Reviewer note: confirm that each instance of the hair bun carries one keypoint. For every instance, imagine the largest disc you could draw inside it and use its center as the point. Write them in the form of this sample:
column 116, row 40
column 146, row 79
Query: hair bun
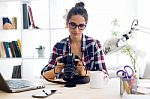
column 80, row 4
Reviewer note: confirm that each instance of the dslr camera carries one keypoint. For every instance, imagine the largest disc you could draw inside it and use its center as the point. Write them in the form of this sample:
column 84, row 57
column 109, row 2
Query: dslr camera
column 70, row 63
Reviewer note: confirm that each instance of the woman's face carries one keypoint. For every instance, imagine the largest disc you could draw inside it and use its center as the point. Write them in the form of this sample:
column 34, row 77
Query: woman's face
column 76, row 25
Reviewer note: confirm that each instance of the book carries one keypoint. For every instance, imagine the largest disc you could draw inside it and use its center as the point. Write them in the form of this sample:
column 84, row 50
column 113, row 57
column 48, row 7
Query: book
column 0, row 52
column 25, row 16
column 12, row 49
column 31, row 17
column 16, row 49
column 14, row 22
column 5, row 44
column 19, row 43
column 3, row 55
column 31, row 20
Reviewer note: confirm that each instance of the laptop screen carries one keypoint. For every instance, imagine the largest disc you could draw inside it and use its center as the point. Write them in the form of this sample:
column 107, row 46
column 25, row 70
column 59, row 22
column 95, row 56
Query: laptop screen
column 18, row 85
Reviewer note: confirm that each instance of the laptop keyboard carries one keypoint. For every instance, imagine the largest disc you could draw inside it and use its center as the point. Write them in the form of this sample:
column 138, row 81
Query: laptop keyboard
column 16, row 84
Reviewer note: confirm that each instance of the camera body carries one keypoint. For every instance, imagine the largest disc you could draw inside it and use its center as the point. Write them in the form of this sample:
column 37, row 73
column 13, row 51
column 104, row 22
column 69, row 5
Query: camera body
column 70, row 63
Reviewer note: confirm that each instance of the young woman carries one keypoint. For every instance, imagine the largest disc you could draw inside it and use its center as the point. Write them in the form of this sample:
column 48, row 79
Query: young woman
column 88, row 49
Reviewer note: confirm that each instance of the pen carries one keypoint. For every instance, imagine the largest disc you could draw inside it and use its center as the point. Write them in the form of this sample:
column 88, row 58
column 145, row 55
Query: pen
column 126, row 86
column 49, row 93
column 45, row 92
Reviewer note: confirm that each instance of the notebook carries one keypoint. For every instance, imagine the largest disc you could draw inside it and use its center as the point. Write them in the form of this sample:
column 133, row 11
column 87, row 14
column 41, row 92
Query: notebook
column 18, row 85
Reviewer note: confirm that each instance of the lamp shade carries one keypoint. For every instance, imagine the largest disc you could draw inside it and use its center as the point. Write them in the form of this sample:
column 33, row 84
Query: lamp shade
column 112, row 45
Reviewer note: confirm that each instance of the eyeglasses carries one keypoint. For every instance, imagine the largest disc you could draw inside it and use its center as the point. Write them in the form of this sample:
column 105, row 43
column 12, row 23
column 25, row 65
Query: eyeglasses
column 73, row 25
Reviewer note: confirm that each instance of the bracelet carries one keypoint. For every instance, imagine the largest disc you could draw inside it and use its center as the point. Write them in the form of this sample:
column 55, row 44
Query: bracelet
column 54, row 68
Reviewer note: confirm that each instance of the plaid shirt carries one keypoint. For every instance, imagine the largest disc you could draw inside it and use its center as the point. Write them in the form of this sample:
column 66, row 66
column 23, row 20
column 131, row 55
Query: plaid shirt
column 91, row 50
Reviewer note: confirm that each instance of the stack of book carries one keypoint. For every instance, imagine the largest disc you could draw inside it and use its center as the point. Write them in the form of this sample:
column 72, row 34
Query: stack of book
column 10, row 49
column 9, row 23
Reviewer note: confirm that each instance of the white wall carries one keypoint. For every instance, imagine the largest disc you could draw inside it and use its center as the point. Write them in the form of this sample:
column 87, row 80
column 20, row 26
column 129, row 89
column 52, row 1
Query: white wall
column 143, row 38
column 6, row 66
column 32, row 67
column 102, row 12
column 7, row 9
column 143, row 17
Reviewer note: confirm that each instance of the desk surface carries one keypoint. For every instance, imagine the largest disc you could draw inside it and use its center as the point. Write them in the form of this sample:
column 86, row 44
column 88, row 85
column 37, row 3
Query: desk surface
column 111, row 91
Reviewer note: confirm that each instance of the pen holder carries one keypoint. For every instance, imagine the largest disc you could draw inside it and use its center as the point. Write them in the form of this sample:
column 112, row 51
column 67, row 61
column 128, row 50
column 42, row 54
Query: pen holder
column 128, row 85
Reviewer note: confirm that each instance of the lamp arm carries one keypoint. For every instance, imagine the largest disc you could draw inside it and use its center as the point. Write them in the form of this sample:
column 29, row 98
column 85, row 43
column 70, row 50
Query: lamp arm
column 141, row 29
column 136, row 27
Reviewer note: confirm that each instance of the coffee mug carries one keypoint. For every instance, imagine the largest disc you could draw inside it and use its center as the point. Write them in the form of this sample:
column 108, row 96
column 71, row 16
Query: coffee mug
column 98, row 79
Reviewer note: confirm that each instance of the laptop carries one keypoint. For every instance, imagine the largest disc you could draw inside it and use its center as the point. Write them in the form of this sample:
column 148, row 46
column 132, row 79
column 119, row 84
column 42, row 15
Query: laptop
column 18, row 85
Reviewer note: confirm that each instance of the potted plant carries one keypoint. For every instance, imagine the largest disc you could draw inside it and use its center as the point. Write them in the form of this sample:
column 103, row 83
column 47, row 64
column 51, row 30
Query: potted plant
column 128, row 50
column 41, row 51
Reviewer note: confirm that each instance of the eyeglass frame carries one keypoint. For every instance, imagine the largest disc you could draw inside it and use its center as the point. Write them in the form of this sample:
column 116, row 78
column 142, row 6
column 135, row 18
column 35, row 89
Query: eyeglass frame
column 75, row 26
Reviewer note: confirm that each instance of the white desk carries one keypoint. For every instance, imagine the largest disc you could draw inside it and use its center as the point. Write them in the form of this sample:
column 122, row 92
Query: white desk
column 111, row 91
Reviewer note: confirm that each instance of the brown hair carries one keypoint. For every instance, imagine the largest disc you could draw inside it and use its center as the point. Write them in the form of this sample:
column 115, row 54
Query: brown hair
column 78, row 10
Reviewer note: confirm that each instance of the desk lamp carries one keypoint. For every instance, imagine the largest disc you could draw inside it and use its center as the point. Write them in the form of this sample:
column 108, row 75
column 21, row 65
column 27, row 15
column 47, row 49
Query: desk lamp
column 115, row 44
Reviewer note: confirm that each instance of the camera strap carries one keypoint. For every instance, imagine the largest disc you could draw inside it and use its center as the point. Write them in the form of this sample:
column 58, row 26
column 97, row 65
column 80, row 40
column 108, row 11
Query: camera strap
column 82, row 51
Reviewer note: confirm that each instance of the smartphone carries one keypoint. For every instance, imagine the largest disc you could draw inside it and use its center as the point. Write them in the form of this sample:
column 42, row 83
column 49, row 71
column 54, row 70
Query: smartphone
column 44, row 93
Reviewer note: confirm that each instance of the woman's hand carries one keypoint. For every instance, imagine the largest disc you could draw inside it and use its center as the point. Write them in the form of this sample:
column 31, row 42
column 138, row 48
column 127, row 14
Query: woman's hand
column 51, row 74
column 105, row 74
column 59, row 66
column 81, row 68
